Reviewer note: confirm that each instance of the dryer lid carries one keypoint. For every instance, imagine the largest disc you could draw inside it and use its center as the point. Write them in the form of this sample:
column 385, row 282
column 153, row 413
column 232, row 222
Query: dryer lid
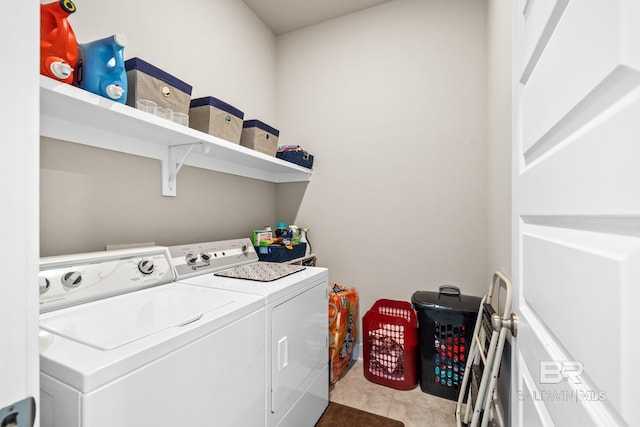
column 113, row 322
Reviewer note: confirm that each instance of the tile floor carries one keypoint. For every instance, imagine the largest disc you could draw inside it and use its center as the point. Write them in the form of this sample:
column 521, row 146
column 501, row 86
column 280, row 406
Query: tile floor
column 413, row 407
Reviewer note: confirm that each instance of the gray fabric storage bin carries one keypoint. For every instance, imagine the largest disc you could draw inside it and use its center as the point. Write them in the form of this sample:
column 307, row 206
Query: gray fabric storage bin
column 217, row 118
column 147, row 81
column 260, row 136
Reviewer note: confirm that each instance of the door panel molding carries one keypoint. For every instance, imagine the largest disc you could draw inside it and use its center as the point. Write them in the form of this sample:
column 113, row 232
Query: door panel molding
column 532, row 411
column 625, row 225
column 540, row 21
column 614, row 87
column 586, row 47
column 563, row 402
column 554, row 189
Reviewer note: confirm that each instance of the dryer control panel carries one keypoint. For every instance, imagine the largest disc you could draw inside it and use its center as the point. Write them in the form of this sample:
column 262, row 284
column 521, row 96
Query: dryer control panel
column 208, row 257
column 73, row 279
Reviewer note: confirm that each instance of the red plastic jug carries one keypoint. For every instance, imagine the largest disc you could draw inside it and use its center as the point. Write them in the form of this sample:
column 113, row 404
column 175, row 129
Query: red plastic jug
column 58, row 44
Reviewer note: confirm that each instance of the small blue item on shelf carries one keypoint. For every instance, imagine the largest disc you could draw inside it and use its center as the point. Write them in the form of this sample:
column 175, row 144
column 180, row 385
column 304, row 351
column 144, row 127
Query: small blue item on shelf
column 102, row 68
column 276, row 253
column 295, row 154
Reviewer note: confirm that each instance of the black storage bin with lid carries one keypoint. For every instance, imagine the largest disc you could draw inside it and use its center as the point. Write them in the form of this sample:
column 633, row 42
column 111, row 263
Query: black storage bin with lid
column 445, row 328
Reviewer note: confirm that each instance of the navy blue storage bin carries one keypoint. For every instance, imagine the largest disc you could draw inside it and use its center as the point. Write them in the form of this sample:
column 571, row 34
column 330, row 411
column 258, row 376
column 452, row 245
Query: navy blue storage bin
column 301, row 158
column 275, row 253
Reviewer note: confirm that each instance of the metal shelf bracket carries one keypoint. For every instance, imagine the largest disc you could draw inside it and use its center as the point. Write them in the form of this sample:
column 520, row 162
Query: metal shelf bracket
column 171, row 168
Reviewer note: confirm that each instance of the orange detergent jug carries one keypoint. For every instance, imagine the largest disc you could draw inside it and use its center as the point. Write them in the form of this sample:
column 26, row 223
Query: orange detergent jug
column 58, row 45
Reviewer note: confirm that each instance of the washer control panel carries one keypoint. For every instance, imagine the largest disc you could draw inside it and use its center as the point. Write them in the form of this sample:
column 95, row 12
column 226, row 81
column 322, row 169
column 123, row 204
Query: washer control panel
column 73, row 279
column 199, row 258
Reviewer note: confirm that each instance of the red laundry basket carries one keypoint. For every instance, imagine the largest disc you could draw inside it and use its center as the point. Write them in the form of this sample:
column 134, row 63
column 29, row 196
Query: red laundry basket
column 390, row 340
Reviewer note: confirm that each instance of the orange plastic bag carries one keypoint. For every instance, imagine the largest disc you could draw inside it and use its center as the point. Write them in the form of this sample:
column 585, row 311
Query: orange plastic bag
column 343, row 321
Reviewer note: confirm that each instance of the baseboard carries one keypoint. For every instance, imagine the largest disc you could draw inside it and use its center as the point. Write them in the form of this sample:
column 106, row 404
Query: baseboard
column 357, row 352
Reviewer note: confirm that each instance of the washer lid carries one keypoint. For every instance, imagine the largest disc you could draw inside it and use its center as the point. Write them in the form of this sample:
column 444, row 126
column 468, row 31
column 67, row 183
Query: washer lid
column 116, row 321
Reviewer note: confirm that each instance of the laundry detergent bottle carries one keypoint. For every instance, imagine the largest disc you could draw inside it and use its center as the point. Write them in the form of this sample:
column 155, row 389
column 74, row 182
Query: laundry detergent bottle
column 58, row 44
column 102, row 67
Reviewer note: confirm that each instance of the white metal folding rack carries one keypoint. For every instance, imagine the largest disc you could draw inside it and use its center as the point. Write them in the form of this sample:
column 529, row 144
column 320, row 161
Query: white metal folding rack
column 485, row 354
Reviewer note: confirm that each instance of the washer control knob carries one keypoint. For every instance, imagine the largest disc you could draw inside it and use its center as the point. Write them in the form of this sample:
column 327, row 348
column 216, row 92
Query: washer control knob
column 191, row 259
column 146, row 266
column 245, row 250
column 206, row 257
column 71, row 279
column 44, row 284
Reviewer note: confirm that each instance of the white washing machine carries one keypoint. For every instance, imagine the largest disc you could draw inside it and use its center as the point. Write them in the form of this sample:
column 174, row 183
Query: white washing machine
column 295, row 324
column 123, row 346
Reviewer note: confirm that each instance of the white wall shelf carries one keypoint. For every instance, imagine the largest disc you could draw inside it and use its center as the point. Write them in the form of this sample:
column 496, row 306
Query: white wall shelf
column 72, row 114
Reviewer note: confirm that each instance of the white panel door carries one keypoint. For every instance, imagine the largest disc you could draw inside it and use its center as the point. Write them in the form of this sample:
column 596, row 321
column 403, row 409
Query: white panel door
column 576, row 205
column 19, row 134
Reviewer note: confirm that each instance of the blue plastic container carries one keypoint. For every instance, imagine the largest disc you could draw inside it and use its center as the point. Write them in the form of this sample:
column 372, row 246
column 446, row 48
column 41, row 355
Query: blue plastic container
column 301, row 158
column 102, row 67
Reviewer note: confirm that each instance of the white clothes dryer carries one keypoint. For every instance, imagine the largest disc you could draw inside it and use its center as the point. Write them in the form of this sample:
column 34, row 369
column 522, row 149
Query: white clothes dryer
column 123, row 346
column 295, row 323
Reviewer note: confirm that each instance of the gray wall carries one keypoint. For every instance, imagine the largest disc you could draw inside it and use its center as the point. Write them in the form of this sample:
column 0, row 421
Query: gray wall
column 499, row 137
column 499, row 162
column 393, row 102
column 92, row 197
column 403, row 104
